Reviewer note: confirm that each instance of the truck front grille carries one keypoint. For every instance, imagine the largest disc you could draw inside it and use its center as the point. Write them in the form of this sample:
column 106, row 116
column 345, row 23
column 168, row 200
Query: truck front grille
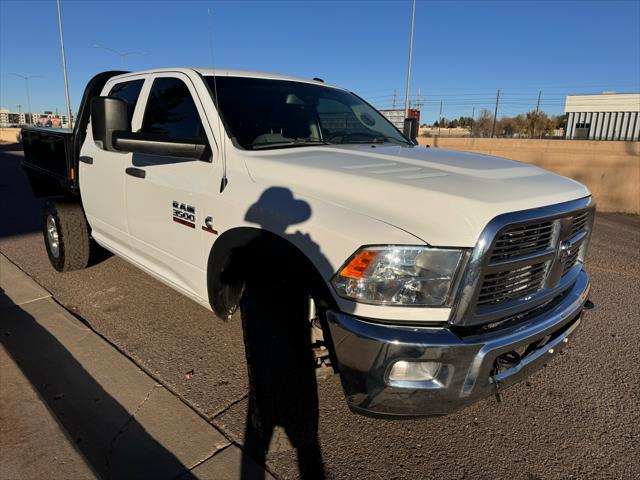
column 522, row 240
column 524, row 258
column 579, row 222
column 572, row 259
column 511, row 284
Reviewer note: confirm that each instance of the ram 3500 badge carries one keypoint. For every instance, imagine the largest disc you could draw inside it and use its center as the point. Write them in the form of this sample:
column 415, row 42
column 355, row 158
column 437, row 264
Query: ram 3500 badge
column 184, row 214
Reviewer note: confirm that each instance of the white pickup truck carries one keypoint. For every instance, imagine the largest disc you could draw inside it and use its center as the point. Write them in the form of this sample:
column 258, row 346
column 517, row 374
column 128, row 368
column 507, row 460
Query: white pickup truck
column 436, row 277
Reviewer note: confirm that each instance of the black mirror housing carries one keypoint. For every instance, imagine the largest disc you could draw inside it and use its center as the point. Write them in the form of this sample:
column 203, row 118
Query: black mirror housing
column 108, row 115
column 411, row 129
column 153, row 144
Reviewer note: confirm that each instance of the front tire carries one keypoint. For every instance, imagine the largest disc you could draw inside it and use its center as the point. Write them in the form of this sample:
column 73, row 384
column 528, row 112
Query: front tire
column 282, row 379
column 66, row 235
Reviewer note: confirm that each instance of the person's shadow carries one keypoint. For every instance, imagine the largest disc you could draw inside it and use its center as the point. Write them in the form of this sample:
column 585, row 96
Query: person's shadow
column 275, row 307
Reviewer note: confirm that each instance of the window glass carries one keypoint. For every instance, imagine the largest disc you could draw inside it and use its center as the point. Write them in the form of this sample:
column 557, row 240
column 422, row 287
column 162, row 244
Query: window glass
column 129, row 92
column 264, row 113
column 171, row 111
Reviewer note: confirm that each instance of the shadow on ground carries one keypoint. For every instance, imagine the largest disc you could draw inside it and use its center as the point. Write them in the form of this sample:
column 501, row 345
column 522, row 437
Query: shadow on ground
column 94, row 420
column 283, row 404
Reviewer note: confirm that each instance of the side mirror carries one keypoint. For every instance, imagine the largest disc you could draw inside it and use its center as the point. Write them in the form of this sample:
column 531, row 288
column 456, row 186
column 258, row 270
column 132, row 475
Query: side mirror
column 108, row 115
column 159, row 145
column 411, row 129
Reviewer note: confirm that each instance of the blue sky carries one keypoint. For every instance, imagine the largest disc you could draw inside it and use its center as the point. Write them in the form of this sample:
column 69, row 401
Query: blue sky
column 463, row 50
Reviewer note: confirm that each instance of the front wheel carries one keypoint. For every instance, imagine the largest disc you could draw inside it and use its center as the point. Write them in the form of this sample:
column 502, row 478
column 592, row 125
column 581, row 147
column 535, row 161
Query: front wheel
column 66, row 235
column 282, row 378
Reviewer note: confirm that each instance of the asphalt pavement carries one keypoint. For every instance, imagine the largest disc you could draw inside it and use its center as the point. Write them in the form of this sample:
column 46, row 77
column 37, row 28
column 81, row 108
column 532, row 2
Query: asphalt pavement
column 576, row 418
column 72, row 406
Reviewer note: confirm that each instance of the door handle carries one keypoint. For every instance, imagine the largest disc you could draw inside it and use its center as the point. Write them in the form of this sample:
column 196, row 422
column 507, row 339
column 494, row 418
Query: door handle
column 88, row 160
column 135, row 172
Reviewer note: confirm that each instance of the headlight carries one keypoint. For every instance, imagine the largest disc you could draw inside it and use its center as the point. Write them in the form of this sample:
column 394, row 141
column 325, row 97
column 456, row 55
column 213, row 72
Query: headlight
column 400, row 275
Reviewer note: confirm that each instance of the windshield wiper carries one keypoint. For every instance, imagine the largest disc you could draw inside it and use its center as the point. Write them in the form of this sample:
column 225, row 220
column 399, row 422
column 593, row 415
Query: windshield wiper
column 381, row 139
column 292, row 143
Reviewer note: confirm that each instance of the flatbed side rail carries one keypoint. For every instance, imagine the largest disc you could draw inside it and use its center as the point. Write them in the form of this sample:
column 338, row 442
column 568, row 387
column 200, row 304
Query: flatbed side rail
column 48, row 161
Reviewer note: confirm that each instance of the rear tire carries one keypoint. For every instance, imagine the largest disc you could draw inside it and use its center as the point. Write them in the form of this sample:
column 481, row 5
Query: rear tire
column 66, row 235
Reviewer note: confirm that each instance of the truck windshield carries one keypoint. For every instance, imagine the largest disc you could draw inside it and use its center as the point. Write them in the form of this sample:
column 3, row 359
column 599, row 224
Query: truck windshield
column 262, row 113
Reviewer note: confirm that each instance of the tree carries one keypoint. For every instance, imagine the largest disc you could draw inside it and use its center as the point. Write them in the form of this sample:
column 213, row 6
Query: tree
column 482, row 126
column 506, row 127
column 465, row 122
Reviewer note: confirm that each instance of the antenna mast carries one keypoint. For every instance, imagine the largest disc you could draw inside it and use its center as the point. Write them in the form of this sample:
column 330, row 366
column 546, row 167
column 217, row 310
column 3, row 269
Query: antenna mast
column 224, row 180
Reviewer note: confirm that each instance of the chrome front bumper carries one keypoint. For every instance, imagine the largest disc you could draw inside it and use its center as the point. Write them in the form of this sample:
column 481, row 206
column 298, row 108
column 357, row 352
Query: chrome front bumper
column 366, row 352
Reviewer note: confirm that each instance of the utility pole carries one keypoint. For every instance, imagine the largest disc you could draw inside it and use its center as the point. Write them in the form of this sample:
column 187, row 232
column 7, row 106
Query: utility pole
column 440, row 121
column 535, row 119
column 473, row 114
column 495, row 114
column 406, row 100
column 419, row 104
column 64, row 68
column 393, row 103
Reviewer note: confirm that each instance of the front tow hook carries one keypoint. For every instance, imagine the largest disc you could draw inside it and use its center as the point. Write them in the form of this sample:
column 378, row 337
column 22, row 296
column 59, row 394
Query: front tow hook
column 503, row 362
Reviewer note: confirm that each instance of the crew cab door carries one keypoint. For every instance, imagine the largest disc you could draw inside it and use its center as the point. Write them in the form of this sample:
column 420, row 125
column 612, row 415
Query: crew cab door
column 166, row 196
column 102, row 184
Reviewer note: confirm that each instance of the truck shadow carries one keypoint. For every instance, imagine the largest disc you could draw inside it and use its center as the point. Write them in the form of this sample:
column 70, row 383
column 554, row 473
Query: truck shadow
column 10, row 147
column 283, row 405
column 21, row 211
column 109, row 437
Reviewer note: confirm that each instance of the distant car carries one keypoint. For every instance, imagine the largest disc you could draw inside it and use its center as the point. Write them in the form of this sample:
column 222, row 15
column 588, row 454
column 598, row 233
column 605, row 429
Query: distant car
column 435, row 277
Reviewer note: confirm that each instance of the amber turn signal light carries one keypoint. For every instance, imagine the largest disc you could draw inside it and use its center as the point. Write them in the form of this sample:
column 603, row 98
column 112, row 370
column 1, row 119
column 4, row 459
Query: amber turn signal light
column 358, row 265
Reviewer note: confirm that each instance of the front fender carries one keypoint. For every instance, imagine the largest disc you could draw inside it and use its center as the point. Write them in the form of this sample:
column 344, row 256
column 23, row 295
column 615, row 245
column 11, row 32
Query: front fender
column 245, row 252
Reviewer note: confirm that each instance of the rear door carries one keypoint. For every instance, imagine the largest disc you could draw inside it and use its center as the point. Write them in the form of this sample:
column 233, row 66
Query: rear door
column 101, row 175
column 165, row 208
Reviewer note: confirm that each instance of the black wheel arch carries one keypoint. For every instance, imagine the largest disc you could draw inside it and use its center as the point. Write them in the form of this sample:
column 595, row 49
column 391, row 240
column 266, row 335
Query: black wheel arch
column 245, row 252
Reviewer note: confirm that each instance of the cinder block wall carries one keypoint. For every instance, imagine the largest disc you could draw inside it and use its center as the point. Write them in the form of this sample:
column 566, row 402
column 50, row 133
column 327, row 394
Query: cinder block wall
column 611, row 170
column 9, row 135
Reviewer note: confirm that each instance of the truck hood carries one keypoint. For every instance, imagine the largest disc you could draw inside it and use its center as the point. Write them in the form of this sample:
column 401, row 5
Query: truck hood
column 443, row 197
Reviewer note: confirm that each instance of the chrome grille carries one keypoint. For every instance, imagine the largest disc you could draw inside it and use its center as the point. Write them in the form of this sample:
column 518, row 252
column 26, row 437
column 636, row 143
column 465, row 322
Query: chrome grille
column 572, row 258
column 523, row 260
column 579, row 222
column 525, row 256
column 511, row 284
column 522, row 240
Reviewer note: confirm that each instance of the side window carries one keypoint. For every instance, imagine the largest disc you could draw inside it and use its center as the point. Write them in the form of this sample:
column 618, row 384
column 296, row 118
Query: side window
column 129, row 92
column 171, row 111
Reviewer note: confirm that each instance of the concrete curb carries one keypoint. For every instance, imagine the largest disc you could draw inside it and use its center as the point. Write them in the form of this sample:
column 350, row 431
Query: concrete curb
column 123, row 423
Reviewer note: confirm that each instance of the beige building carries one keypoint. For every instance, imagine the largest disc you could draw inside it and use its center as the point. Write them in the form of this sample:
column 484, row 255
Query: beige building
column 10, row 119
column 609, row 116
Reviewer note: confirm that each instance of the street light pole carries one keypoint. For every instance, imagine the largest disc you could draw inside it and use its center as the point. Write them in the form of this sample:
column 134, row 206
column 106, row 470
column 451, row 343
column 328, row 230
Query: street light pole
column 64, row 68
column 122, row 55
column 26, row 79
column 406, row 101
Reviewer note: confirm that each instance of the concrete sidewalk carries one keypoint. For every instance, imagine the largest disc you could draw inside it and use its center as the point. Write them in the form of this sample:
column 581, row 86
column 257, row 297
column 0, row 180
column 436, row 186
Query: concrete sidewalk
column 72, row 406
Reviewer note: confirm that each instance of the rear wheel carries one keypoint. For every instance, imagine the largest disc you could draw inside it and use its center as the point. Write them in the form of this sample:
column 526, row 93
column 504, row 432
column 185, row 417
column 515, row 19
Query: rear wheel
column 66, row 235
